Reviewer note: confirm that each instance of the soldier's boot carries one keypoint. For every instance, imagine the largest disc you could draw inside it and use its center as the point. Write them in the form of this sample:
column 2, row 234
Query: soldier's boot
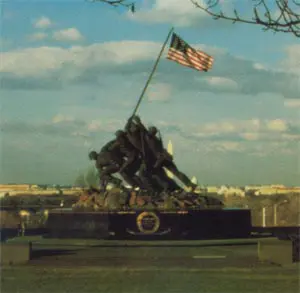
column 186, row 181
column 192, row 187
column 116, row 181
column 163, row 184
column 105, row 179
column 139, row 182
column 182, row 177
column 102, row 185
column 127, row 194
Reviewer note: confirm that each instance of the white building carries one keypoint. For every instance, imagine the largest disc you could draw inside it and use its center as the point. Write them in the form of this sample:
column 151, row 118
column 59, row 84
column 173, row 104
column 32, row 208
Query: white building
column 212, row 189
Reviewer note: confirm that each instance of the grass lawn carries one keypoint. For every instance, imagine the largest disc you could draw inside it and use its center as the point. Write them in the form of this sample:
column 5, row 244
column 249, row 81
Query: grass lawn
column 81, row 279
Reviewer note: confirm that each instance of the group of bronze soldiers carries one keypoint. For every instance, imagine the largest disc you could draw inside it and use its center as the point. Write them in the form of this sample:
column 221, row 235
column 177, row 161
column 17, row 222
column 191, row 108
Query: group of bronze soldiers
column 138, row 155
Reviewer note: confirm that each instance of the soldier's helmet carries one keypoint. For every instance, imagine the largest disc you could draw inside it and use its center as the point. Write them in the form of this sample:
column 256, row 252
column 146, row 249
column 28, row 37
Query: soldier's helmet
column 152, row 130
column 119, row 133
column 93, row 155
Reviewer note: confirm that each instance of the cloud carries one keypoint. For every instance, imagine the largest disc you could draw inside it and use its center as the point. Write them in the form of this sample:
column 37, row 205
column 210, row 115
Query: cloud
column 229, row 146
column 222, row 83
column 163, row 11
column 37, row 129
column 94, row 125
column 259, row 66
column 254, row 137
column 43, row 22
column 250, row 135
column 236, row 130
column 109, row 126
column 41, row 60
column 291, row 65
column 244, row 77
column 292, row 103
column 181, row 13
column 61, row 133
column 277, row 125
column 61, row 118
column 4, row 43
column 292, row 61
column 55, row 67
column 159, row 92
column 37, row 36
column 70, row 34
column 58, row 141
column 8, row 15
column 62, row 125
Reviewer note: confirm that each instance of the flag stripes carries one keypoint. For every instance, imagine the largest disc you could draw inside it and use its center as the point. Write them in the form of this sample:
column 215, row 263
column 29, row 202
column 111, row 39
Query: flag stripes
column 185, row 55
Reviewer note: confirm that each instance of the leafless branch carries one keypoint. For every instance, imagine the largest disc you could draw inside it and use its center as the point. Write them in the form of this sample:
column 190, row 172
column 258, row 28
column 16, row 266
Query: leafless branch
column 116, row 3
column 286, row 19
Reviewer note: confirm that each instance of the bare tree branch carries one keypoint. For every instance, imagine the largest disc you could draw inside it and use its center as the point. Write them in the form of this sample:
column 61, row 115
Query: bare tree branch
column 286, row 19
column 116, row 3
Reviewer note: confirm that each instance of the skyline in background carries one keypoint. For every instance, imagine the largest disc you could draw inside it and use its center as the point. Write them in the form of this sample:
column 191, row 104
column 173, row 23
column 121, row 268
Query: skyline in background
column 72, row 71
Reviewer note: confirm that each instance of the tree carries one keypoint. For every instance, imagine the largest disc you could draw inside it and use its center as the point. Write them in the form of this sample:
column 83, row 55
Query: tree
column 80, row 181
column 92, row 177
column 116, row 3
column 286, row 18
column 89, row 178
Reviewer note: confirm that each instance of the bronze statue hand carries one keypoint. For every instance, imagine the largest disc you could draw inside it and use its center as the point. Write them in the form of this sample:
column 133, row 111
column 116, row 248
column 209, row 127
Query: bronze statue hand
column 156, row 165
column 137, row 118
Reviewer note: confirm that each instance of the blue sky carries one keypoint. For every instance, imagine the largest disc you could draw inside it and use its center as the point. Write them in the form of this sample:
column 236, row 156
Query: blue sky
column 72, row 71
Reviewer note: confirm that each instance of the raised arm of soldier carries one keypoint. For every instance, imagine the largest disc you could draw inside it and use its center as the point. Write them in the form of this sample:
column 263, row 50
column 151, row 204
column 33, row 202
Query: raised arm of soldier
column 128, row 124
column 161, row 157
column 126, row 148
column 114, row 146
column 111, row 145
column 156, row 145
column 138, row 121
column 133, row 133
column 129, row 160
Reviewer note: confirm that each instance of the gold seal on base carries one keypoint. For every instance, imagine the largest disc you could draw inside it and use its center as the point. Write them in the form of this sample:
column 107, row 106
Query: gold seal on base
column 148, row 222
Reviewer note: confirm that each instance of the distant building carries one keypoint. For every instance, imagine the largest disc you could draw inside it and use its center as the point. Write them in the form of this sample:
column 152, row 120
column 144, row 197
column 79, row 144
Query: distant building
column 15, row 186
column 232, row 191
column 272, row 190
column 252, row 187
column 212, row 189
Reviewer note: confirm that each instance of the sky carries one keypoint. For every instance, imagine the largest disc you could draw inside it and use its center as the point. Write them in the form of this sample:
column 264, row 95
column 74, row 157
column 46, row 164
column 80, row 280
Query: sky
column 72, row 72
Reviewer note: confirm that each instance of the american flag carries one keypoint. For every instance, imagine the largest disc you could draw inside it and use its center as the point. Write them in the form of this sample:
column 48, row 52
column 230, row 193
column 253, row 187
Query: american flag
column 182, row 53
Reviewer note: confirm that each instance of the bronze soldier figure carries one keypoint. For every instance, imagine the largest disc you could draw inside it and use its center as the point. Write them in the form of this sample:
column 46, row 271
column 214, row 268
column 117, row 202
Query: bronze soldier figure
column 151, row 182
column 138, row 150
column 106, row 164
column 135, row 135
column 132, row 157
column 118, row 156
column 155, row 177
column 168, row 183
column 163, row 158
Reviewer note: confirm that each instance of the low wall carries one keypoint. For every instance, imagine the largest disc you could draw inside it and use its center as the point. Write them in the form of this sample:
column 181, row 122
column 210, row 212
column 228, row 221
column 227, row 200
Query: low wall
column 15, row 253
column 199, row 224
column 282, row 252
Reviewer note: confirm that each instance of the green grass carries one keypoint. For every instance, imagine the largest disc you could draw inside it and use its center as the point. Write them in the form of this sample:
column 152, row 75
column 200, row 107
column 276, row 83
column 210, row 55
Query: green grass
column 120, row 280
column 147, row 275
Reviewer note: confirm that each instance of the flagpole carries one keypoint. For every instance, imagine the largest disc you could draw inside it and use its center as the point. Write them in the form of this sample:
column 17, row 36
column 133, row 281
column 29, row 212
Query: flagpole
column 152, row 72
